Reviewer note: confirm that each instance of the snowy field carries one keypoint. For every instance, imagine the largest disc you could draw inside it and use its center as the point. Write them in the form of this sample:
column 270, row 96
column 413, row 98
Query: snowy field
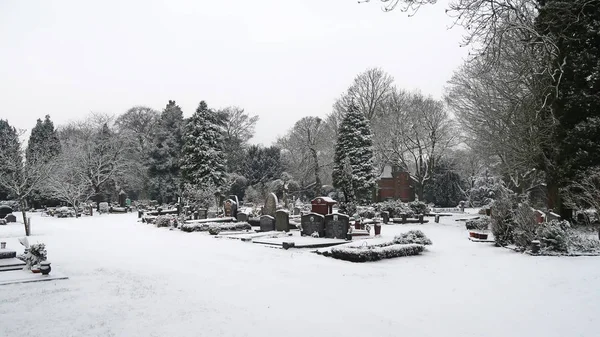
column 132, row 279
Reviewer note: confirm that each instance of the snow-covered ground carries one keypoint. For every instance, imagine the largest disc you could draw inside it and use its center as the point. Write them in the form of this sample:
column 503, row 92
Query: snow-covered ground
column 132, row 279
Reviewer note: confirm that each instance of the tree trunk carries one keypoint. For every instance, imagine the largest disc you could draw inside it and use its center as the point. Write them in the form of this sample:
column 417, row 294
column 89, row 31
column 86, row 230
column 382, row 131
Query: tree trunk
column 553, row 196
column 23, row 206
column 318, row 184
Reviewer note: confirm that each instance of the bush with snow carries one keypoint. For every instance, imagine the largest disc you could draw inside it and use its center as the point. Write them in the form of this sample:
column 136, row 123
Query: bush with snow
column 222, row 226
column 481, row 223
column 166, row 220
column 412, row 237
column 374, row 253
column 554, row 236
column 348, row 208
column 394, row 207
column 485, row 190
column 418, row 207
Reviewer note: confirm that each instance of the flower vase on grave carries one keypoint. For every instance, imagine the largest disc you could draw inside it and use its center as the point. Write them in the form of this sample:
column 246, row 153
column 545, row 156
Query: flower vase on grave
column 45, row 268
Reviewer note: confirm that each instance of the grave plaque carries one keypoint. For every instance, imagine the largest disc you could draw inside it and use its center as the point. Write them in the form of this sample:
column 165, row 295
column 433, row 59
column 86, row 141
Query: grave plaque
column 270, row 205
column 11, row 218
column 336, row 226
column 312, row 222
column 267, row 223
column 282, row 220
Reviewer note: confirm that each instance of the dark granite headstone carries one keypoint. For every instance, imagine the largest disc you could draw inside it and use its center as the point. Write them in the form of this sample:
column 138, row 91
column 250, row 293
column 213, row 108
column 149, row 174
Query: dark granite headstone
column 282, row 220
column 7, row 254
column 242, row 217
column 336, row 225
column 312, row 222
column 11, row 218
column 4, row 210
column 267, row 223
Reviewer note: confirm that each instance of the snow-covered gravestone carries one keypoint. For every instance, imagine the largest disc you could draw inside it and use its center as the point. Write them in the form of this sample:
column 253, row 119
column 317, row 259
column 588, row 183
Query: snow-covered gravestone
column 336, row 226
column 270, row 205
column 267, row 223
column 311, row 223
column 282, row 220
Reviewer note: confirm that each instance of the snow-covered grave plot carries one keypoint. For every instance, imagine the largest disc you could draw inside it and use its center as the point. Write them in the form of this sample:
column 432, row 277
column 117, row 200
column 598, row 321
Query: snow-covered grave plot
column 130, row 279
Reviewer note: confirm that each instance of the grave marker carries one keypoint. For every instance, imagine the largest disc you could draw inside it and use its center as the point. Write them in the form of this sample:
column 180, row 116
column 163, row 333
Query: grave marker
column 336, row 226
column 270, row 205
column 267, row 223
column 312, row 222
column 282, row 220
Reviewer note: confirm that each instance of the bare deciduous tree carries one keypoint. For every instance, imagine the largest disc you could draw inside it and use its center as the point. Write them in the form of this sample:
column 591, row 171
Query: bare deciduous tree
column 303, row 148
column 20, row 178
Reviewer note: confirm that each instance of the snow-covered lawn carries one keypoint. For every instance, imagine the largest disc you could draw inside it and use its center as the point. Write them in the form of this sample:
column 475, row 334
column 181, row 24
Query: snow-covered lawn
column 132, row 279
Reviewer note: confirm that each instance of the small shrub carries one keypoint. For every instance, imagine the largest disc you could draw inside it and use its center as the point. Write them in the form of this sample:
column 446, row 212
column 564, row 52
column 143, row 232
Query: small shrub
column 418, row 207
column 525, row 226
column 214, row 230
column 166, row 220
column 412, row 237
column 367, row 212
column 394, row 207
column 481, row 223
column 374, row 253
column 554, row 235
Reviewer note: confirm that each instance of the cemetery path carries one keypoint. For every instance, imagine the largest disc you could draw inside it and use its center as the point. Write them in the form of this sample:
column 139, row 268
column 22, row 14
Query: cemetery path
column 131, row 279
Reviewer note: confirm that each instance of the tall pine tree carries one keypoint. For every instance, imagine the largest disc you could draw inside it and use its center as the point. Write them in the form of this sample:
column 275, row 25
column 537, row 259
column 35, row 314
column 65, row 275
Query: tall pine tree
column 43, row 146
column 353, row 170
column 164, row 157
column 203, row 160
column 43, row 142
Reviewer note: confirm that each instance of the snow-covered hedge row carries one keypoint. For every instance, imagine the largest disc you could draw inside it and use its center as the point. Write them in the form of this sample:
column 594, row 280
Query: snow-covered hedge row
column 373, row 253
column 216, row 227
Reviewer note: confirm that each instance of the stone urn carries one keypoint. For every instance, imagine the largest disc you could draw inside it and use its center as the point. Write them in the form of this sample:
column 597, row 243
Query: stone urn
column 45, row 268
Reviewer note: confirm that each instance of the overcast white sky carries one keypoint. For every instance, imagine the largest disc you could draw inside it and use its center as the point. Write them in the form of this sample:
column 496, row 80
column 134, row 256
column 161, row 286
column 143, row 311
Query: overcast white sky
column 279, row 59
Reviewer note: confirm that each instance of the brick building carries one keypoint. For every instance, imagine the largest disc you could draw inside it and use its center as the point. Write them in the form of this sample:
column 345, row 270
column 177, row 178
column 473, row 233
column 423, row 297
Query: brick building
column 395, row 184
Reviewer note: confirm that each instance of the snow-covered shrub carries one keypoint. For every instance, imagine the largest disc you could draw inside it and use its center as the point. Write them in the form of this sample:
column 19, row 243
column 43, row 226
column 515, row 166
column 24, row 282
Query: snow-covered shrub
column 524, row 225
column 35, row 255
column 394, row 207
column 315, row 234
column 554, row 235
column 214, row 230
column 481, row 223
column 223, row 226
column 347, row 208
column 253, row 195
column 581, row 242
column 419, row 207
column 166, row 220
column 502, row 217
column 485, row 189
column 374, row 253
column 412, row 237
column 366, row 212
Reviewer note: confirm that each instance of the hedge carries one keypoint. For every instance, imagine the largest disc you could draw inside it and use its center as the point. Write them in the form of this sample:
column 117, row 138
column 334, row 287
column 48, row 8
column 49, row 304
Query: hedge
column 374, row 253
column 216, row 227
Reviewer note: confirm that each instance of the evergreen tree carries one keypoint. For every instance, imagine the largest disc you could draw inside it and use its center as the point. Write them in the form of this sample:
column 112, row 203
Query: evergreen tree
column 203, row 160
column 165, row 155
column 43, row 142
column 9, row 149
column 575, row 112
column 445, row 189
column 262, row 164
column 353, row 170
column 43, row 145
